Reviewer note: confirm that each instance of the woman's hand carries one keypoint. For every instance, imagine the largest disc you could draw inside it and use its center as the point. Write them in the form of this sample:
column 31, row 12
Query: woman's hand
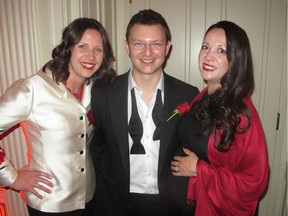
column 185, row 166
column 29, row 180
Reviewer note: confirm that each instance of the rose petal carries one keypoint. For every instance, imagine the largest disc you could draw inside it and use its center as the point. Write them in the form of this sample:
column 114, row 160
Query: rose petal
column 183, row 108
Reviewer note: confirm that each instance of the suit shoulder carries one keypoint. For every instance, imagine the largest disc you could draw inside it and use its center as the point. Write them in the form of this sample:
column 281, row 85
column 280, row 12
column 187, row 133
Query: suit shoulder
column 181, row 84
column 120, row 79
column 116, row 85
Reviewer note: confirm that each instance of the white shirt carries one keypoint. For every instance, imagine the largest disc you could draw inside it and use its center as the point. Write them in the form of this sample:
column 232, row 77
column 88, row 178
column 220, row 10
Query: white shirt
column 144, row 167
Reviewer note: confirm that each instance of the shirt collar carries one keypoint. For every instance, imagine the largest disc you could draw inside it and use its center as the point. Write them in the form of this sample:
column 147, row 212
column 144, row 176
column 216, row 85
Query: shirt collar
column 132, row 84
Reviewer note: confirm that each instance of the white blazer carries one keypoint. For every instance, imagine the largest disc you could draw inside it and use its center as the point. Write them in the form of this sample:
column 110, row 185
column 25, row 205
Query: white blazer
column 58, row 135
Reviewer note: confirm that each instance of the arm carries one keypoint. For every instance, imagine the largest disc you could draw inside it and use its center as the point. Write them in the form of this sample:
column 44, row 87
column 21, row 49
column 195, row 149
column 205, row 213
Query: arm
column 23, row 180
column 185, row 166
column 234, row 181
column 15, row 105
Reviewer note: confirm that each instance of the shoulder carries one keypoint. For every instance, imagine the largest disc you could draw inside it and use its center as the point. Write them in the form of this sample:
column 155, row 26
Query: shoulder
column 181, row 86
column 27, row 82
column 253, row 114
column 248, row 101
column 119, row 81
column 117, row 86
column 177, row 82
column 22, row 92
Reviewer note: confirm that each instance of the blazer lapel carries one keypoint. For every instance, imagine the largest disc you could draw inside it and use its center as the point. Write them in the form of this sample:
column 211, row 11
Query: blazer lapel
column 86, row 97
column 61, row 91
column 119, row 115
column 171, row 101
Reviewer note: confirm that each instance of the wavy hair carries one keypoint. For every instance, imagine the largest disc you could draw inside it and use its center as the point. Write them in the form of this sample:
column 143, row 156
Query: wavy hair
column 61, row 54
column 221, row 110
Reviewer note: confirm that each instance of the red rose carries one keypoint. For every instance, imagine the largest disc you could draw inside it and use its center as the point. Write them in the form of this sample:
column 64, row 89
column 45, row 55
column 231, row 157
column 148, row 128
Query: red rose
column 183, row 108
column 180, row 110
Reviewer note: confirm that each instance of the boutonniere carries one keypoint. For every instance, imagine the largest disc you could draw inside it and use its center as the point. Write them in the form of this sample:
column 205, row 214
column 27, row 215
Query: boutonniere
column 91, row 117
column 180, row 110
column 2, row 156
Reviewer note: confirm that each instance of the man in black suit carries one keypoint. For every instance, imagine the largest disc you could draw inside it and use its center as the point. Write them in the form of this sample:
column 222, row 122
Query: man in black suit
column 133, row 142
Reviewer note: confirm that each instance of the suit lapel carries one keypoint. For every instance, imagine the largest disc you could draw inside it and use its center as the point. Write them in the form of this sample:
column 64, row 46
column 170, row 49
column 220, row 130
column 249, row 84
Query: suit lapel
column 171, row 101
column 119, row 115
column 118, row 105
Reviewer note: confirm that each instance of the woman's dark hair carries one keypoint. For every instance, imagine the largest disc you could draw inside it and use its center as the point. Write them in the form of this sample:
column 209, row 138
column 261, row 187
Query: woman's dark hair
column 148, row 17
column 221, row 110
column 72, row 34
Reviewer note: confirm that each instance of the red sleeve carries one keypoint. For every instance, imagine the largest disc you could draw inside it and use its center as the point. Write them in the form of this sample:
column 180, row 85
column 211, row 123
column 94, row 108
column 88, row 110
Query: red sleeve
column 234, row 181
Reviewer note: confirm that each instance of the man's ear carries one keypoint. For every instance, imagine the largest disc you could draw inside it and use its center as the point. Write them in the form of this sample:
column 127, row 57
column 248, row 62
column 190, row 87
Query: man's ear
column 126, row 44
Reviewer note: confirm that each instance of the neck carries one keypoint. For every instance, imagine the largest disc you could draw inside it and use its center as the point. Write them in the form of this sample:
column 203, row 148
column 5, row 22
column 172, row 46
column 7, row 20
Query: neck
column 213, row 87
column 74, row 86
column 147, row 83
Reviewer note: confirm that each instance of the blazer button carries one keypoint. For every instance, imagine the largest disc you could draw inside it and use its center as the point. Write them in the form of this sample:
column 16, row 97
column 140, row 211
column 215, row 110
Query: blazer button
column 82, row 169
column 81, row 118
column 81, row 152
column 82, row 135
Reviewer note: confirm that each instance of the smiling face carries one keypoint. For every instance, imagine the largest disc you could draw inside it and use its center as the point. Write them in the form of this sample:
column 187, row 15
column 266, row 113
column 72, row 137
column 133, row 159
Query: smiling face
column 86, row 56
column 147, row 47
column 213, row 62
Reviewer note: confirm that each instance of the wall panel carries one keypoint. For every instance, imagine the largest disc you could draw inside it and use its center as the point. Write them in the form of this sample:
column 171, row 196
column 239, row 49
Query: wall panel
column 17, row 57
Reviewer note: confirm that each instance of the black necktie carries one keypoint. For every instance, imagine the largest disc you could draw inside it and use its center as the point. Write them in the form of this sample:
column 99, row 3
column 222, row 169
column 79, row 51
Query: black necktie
column 157, row 115
column 135, row 128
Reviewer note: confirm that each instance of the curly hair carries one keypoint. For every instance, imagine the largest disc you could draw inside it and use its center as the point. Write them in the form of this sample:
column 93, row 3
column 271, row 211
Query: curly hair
column 222, row 109
column 72, row 34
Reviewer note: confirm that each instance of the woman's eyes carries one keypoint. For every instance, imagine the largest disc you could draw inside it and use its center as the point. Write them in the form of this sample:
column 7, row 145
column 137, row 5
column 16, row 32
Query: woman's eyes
column 219, row 50
column 97, row 49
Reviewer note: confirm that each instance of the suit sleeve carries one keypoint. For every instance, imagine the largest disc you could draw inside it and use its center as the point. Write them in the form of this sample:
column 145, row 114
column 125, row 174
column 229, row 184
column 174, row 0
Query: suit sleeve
column 15, row 106
column 234, row 181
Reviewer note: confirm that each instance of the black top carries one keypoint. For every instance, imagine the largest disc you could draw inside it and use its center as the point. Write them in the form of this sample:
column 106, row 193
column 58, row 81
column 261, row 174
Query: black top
column 188, row 134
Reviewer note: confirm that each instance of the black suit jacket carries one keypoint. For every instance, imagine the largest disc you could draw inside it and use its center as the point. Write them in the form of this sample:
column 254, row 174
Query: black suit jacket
column 110, row 147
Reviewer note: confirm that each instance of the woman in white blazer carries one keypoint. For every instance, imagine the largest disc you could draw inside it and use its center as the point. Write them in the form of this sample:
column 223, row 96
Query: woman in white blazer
column 53, row 109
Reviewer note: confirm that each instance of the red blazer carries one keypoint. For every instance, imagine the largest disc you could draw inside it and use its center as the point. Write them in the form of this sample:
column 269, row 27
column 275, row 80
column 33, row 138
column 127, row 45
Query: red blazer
column 233, row 182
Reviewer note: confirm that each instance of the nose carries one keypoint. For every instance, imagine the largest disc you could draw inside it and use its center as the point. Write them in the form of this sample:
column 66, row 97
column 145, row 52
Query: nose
column 209, row 55
column 91, row 55
column 147, row 49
